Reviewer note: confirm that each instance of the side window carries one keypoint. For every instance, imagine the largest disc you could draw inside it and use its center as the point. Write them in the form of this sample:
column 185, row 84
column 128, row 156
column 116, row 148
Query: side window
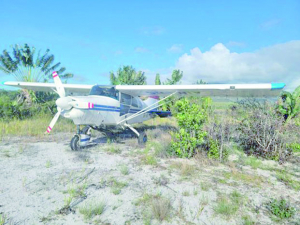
column 135, row 103
column 140, row 103
column 125, row 99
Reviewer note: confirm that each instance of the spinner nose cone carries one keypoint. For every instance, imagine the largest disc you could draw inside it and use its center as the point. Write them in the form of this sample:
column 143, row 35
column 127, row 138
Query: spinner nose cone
column 63, row 103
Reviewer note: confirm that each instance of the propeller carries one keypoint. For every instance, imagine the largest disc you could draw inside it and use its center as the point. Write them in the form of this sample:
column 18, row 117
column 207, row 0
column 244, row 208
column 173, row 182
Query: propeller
column 59, row 87
column 65, row 103
column 61, row 92
column 53, row 121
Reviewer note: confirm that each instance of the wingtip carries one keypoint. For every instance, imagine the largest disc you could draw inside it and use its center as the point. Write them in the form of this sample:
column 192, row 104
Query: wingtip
column 276, row 86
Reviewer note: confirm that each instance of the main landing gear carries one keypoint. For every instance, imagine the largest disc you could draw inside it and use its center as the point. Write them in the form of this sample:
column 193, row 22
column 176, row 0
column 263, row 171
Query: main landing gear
column 82, row 137
column 142, row 137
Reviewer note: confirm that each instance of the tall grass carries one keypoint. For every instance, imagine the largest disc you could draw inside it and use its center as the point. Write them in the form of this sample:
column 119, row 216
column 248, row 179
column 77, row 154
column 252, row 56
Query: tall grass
column 34, row 126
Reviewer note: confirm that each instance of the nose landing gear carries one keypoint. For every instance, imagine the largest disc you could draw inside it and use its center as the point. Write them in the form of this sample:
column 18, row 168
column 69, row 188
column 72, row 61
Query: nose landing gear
column 81, row 139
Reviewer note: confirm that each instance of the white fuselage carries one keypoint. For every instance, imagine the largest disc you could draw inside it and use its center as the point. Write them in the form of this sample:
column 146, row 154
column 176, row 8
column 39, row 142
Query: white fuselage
column 107, row 111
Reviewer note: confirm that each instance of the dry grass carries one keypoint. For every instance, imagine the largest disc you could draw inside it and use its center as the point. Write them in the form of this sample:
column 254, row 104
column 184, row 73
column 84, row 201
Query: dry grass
column 34, row 126
column 185, row 167
column 250, row 179
column 161, row 208
column 92, row 208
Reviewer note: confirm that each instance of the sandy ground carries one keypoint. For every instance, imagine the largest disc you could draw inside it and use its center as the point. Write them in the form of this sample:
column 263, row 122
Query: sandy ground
column 38, row 176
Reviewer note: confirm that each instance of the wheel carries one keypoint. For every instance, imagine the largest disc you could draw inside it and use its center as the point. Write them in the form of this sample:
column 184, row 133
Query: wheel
column 86, row 130
column 75, row 143
column 142, row 139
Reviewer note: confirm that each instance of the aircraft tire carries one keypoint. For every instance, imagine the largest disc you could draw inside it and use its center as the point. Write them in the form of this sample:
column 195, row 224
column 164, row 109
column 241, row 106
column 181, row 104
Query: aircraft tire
column 142, row 139
column 75, row 143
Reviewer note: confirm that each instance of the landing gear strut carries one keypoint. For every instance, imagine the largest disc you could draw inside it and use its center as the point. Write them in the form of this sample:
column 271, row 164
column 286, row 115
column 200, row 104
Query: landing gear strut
column 142, row 137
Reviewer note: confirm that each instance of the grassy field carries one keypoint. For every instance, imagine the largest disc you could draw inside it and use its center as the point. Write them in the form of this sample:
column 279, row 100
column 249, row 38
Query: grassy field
column 34, row 126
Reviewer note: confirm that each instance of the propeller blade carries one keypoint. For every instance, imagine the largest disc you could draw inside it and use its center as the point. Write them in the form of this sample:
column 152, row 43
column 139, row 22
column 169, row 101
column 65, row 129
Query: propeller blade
column 59, row 87
column 53, row 121
column 82, row 105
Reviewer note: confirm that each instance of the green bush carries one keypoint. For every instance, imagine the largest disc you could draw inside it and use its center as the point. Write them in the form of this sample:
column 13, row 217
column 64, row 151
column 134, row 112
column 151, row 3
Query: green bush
column 213, row 150
column 190, row 118
column 289, row 104
column 13, row 105
column 294, row 147
column 281, row 208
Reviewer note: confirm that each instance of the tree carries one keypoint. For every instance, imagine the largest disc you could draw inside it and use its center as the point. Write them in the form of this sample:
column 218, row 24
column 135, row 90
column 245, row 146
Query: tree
column 289, row 104
column 127, row 75
column 157, row 79
column 25, row 65
column 200, row 82
column 175, row 78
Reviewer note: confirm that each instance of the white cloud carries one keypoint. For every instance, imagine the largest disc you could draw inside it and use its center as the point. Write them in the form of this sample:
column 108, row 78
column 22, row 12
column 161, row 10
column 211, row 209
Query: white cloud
column 175, row 48
column 277, row 63
column 141, row 50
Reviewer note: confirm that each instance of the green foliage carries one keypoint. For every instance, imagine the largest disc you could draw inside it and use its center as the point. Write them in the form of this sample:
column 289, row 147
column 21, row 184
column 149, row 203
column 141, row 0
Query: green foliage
column 200, row 82
column 190, row 118
column 294, row 147
column 13, row 105
column 157, row 79
column 25, row 65
column 127, row 75
column 175, row 78
column 214, row 150
column 289, row 104
column 281, row 208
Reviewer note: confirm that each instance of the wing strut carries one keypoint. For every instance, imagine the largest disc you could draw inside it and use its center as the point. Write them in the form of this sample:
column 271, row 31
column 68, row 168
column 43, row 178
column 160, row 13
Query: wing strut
column 144, row 110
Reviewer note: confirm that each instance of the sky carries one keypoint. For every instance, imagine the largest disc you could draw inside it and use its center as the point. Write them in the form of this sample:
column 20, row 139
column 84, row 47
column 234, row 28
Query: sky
column 216, row 41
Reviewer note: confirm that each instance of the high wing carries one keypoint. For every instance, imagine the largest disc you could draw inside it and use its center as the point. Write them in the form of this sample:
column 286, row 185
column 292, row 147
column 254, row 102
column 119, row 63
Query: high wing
column 50, row 87
column 213, row 90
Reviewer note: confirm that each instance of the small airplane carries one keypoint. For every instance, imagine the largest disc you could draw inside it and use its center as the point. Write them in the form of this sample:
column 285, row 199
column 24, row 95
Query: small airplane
column 106, row 107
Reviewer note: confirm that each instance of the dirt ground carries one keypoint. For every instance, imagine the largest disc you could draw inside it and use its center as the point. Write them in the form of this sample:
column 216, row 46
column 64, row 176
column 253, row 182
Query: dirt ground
column 43, row 182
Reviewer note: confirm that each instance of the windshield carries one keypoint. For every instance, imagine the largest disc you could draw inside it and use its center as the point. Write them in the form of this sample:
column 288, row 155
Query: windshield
column 105, row 91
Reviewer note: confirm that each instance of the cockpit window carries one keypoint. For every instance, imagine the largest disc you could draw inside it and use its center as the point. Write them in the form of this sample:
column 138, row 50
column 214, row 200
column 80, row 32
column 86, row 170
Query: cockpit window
column 105, row 91
column 126, row 99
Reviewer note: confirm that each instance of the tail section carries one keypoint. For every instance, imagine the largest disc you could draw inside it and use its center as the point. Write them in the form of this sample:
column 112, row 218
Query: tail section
column 153, row 100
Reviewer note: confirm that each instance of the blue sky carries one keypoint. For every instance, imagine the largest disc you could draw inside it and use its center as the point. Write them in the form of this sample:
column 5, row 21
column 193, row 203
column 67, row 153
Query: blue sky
column 92, row 38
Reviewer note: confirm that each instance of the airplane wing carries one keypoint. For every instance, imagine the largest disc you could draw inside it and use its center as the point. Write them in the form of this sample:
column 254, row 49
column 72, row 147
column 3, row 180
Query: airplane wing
column 213, row 90
column 50, row 87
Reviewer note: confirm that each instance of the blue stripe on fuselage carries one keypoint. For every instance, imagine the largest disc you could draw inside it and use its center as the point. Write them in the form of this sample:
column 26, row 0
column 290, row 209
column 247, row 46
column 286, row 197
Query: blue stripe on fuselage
column 117, row 109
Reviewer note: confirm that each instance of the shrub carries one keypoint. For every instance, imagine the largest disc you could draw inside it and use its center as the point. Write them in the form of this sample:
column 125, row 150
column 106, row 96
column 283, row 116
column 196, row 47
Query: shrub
column 13, row 105
column 262, row 131
column 217, row 139
column 289, row 104
column 281, row 208
column 294, row 147
column 190, row 118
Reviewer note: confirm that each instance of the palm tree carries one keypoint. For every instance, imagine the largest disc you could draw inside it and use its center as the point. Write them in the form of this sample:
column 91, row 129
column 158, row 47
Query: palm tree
column 25, row 65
